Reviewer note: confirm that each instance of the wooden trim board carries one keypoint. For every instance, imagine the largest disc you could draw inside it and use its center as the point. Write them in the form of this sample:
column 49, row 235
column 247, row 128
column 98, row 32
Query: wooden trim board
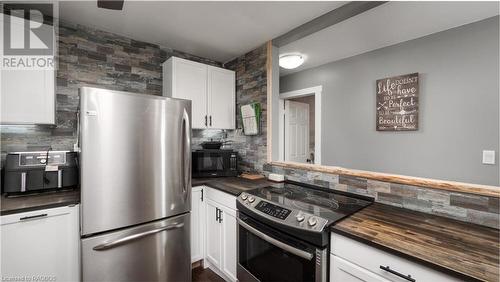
column 478, row 189
column 269, row 74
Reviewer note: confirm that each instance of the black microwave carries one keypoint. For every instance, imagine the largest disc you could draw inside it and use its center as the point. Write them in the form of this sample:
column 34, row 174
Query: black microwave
column 215, row 163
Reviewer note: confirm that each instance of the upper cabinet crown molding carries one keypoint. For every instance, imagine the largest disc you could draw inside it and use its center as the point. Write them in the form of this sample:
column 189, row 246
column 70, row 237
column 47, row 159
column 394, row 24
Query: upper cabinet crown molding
column 27, row 96
column 211, row 89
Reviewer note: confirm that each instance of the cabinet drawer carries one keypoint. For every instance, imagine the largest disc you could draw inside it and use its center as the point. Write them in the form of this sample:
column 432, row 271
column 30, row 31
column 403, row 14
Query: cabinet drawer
column 372, row 259
column 344, row 271
column 221, row 197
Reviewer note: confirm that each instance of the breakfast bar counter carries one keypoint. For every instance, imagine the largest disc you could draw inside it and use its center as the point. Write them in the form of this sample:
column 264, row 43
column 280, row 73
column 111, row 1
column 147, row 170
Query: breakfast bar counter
column 460, row 248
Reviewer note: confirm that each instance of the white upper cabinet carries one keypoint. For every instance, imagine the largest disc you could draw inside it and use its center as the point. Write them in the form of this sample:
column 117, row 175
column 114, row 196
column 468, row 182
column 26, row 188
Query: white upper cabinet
column 221, row 95
column 26, row 96
column 210, row 89
column 187, row 80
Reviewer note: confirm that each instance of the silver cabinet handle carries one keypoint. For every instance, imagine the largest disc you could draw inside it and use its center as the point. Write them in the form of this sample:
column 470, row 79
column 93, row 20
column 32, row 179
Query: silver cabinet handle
column 279, row 244
column 123, row 240
column 407, row 277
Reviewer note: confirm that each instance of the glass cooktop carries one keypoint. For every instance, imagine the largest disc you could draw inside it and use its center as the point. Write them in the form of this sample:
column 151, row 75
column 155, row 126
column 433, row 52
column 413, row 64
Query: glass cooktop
column 329, row 205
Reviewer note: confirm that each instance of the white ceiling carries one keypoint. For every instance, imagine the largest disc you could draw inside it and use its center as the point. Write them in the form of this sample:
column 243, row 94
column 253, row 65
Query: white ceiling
column 385, row 25
column 216, row 30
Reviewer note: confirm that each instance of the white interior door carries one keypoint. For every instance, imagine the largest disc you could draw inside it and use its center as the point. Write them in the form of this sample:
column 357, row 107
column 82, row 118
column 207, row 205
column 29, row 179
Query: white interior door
column 296, row 131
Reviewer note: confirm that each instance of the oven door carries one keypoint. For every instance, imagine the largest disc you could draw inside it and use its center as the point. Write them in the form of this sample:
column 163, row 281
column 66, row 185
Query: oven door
column 265, row 254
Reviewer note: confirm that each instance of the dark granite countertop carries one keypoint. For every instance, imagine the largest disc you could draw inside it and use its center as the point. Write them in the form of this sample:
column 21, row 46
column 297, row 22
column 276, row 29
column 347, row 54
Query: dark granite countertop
column 231, row 185
column 464, row 249
column 11, row 205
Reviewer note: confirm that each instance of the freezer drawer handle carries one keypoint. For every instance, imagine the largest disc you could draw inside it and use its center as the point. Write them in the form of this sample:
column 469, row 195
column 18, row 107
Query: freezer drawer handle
column 107, row 246
column 269, row 239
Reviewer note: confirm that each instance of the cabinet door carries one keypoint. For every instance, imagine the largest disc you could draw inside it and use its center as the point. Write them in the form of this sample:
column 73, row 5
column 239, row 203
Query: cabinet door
column 229, row 243
column 41, row 243
column 213, row 235
column 221, row 98
column 197, row 224
column 342, row 270
column 190, row 83
column 27, row 96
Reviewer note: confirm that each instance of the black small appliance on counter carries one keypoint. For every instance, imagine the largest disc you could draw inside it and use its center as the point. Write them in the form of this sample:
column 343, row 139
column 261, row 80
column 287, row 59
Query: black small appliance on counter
column 39, row 171
column 214, row 163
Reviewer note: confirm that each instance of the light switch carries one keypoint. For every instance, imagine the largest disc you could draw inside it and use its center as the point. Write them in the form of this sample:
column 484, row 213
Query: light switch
column 488, row 157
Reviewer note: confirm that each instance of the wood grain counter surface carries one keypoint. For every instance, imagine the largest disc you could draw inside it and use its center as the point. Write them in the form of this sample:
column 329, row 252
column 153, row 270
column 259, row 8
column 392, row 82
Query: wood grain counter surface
column 452, row 246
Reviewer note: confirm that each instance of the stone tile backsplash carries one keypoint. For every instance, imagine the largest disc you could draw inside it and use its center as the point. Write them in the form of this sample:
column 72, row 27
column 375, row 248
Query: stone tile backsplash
column 471, row 208
column 92, row 57
column 96, row 58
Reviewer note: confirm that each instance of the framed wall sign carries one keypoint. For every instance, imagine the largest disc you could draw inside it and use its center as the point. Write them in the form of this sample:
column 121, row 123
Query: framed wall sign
column 397, row 103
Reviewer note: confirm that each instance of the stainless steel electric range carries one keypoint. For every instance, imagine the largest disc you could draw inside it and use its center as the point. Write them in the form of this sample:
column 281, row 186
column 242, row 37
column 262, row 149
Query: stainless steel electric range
column 283, row 231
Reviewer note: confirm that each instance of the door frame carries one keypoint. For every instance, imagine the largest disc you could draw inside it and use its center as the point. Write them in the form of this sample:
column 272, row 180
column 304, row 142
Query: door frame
column 316, row 91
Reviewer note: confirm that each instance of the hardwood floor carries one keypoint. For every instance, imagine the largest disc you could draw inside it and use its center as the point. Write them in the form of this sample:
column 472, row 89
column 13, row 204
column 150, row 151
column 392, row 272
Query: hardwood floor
column 205, row 275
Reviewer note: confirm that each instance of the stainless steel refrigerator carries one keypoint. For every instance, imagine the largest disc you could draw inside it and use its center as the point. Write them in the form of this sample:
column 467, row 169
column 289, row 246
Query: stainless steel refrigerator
column 135, row 166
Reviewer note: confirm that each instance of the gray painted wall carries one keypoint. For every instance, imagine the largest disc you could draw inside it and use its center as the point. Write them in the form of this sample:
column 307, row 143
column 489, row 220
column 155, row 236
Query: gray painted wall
column 459, row 106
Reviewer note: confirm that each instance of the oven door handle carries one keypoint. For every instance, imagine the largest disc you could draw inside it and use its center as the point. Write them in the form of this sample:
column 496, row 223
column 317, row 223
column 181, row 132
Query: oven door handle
column 279, row 244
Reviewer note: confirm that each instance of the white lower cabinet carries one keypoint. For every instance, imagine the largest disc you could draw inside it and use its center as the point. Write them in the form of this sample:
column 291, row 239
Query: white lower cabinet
column 42, row 245
column 352, row 261
column 197, row 224
column 213, row 235
column 221, row 226
column 229, row 243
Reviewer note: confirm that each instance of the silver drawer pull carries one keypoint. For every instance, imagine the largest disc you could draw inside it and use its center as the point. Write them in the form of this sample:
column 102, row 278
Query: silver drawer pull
column 123, row 240
column 388, row 269
column 33, row 216
column 279, row 244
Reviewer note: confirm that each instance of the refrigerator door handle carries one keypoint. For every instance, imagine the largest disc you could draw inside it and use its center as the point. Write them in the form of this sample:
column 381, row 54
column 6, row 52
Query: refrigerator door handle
column 110, row 245
column 185, row 154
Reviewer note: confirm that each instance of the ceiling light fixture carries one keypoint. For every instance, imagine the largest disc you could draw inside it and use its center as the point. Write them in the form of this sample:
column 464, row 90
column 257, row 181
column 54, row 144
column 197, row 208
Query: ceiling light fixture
column 291, row 61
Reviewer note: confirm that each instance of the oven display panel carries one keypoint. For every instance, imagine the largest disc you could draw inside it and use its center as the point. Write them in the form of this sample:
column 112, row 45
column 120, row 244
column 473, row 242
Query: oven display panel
column 273, row 210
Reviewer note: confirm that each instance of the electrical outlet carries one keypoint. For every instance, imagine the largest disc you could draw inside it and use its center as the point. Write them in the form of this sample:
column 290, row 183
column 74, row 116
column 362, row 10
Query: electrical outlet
column 488, row 157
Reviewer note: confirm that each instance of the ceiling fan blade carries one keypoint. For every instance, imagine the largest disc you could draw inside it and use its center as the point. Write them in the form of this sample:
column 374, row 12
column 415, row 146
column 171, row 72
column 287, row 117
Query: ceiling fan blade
column 110, row 4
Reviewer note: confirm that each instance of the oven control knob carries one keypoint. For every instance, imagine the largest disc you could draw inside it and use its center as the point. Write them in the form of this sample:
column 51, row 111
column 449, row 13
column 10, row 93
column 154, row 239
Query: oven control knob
column 244, row 197
column 43, row 161
column 300, row 217
column 251, row 199
column 312, row 221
